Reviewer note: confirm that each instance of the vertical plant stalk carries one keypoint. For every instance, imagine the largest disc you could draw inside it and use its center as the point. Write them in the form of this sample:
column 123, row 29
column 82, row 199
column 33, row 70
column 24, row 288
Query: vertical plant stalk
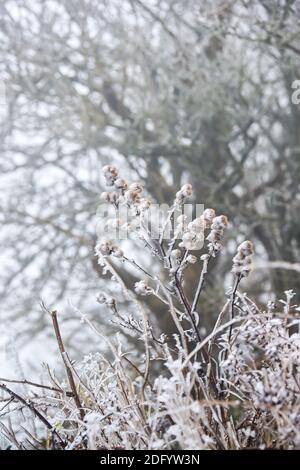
column 175, row 319
column 200, row 283
column 166, row 223
column 232, row 301
column 67, row 367
column 180, row 293
column 189, row 312
column 143, row 314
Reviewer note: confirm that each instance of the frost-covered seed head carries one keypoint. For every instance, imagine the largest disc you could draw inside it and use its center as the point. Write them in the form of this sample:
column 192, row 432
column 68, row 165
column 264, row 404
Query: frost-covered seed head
column 136, row 187
column 187, row 237
column 185, row 192
column 120, row 183
column 142, row 288
column 131, row 196
column 106, row 300
column 145, row 204
column 218, row 226
column 246, row 248
column 110, row 173
column 220, row 222
column 101, row 298
column 242, row 262
column 105, row 248
column 196, row 225
column 113, row 197
column 117, row 252
column 208, row 216
column 105, row 196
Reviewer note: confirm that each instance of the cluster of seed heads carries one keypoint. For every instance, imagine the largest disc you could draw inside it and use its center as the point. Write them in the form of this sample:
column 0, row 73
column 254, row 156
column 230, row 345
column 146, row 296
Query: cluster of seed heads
column 125, row 193
column 193, row 234
column 142, row 288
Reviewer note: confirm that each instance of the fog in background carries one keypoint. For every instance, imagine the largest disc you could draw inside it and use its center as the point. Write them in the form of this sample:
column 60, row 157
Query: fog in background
column 171, row 92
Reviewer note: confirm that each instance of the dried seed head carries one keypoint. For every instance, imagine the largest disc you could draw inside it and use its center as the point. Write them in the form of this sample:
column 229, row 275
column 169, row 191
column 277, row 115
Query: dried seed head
column 117, row 252
column 104, row 248
column 101, row 298
column 219, row 222
column 185, row 192
column 105, row 196
column 246, row 248
column 131, row 196
column 208, row 216
column 110, row 174
column 113, row 197
column 136, row 187
column 104, row 299
column 218, row 226
column 120, row 183
column 145, row 204
column 242, row 262
column 110, row 169
column 142, row 288
column 187, row 237
column 191, row 240
column 196, row 225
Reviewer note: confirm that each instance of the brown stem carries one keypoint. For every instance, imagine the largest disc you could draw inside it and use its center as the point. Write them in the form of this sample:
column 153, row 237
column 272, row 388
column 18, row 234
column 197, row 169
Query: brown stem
column 233, row 295
column 189, row 312
column 34, row 384
column 67, row 367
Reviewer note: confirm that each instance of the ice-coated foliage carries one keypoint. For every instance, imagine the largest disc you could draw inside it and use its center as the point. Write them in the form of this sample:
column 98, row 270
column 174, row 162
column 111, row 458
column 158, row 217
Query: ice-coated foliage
column 234, row 387
column 174, row 92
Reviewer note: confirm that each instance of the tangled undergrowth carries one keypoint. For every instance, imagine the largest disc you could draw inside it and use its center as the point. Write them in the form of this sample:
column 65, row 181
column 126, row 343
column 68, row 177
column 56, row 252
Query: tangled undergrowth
column 234, row 387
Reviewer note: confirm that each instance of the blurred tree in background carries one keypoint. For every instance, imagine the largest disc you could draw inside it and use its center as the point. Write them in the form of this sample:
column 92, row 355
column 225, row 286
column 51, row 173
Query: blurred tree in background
column 171, row 91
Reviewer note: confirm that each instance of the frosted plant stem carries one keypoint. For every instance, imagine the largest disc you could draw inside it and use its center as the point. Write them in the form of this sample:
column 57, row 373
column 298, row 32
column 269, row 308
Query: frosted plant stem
column 200, row 283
